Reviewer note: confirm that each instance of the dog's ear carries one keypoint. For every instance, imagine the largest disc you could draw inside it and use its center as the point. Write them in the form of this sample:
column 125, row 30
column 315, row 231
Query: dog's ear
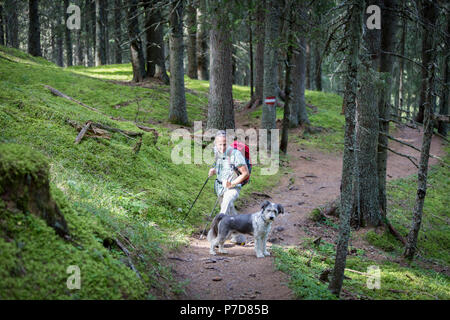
column 280, row 208
column 265, row 204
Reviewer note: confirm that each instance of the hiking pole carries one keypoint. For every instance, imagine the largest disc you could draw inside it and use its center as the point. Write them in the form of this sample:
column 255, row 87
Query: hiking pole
column 196, row 199
column 204, row 229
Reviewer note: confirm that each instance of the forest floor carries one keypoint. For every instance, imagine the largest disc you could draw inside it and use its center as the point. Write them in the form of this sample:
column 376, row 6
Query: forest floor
column 314, row 179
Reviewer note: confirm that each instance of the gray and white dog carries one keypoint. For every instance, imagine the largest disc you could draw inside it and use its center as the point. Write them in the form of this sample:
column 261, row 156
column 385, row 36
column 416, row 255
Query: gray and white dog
column 257, row 224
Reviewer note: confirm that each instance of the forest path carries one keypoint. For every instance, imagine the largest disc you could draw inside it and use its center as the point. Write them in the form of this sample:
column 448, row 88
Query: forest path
column 314, row 181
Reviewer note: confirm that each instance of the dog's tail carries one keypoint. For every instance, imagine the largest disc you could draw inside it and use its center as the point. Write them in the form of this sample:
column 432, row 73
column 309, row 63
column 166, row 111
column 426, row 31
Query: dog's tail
column 212, row 234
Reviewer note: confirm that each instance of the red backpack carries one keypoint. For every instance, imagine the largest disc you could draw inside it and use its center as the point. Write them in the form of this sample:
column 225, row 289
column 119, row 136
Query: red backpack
column 245, row 150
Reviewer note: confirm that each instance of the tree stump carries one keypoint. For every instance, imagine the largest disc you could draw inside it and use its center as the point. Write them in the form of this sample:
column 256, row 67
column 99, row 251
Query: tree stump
column 25, row 187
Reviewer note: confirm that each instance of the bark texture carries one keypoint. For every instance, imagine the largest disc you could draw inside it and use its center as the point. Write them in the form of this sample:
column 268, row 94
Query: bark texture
column 429, row 15
column 353, row 33
column 220, row 103
column 202, row 42
column 34, row 29
column 136, row 51
column 271, row 44
column 177, row 112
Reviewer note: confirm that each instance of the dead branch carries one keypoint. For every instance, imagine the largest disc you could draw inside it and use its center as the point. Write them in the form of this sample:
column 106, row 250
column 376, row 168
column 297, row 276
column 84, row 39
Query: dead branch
column 358, row 272
column 126, row 133
column 125, row 250
column 82, row 132
column 408, row 145
column 65, row 96
column 410, row 158
column 152, row 130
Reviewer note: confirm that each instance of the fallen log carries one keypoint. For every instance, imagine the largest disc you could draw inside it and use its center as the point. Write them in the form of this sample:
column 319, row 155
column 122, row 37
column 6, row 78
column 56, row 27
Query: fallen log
column 127, row 133
column 65, row 96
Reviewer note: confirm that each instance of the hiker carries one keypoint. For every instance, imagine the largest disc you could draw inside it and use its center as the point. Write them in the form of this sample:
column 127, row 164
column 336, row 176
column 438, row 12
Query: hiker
column 228, row 182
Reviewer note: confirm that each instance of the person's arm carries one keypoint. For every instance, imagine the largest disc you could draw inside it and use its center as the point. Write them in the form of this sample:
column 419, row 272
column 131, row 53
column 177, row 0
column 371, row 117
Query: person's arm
column 244, row 175
column 239, row 162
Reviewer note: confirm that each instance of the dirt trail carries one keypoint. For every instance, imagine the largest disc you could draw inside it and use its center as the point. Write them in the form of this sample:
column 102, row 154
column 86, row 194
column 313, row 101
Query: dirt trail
column 315, row 180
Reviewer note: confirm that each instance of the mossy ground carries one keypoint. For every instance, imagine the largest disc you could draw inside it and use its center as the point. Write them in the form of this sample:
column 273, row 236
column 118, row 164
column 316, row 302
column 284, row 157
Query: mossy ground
column 104, row 190
column 420, row 279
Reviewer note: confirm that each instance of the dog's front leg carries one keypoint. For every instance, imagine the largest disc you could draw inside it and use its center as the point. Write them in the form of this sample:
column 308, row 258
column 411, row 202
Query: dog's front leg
column 264, row 243
column 259, row 247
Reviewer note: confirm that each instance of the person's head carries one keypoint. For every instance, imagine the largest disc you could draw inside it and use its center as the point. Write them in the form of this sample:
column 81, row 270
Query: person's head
column 220, row 141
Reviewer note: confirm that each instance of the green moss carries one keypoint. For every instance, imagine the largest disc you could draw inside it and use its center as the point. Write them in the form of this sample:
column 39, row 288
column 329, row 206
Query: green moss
column 19, row 160
column 383, row 241
column 316, row 215
column 305, row 264
column 102, row 188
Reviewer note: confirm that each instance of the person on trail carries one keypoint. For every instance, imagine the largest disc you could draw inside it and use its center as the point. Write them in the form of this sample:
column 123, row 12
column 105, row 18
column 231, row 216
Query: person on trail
column 228, row 181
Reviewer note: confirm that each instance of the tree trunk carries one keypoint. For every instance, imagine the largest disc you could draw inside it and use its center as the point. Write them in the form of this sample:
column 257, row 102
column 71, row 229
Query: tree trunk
column 443, row 109
column 136, row 53
column 156, row 66
column 429, row 16
column 117, row 31
column 272, row 35
column 308, row 67
column 298, row 109
column 59, row 28
column 367, row 204
column 288, row 84
column 353, row 34
column 388, row 33
column 259, row 54
column 318, row 73
column 2, row 29
column 88, row 32
column 105, row 30
column 400, row 101
column 67, row 37
column 426, row 7
column 191, row 24
column 12, row 23
column 100, row 51
column 80, row 54
column 177, row 112
column 220, row 104
column 250, row 43
column 202, row 42
column 34, row 29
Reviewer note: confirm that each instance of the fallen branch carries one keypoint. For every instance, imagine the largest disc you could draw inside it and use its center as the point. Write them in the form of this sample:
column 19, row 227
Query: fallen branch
column 152, row 130
column 91, row 131
column 127, row 133
column 65, row 96
column 125, row 250
column 82, row 132
column 358, row 272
